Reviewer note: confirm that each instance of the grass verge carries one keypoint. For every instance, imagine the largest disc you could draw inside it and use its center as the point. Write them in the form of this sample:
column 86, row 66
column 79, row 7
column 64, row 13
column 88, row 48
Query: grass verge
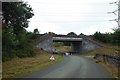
column 107, row 49
column 63, row 48
column 0, row 70
column 20, row 66
column 111, row 69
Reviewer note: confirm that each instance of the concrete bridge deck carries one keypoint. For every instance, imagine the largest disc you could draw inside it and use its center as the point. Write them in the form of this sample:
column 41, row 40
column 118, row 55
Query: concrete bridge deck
column 66, row 39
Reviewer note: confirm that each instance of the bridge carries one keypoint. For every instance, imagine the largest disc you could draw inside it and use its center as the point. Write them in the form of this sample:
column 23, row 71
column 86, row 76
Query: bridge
column 79, row 44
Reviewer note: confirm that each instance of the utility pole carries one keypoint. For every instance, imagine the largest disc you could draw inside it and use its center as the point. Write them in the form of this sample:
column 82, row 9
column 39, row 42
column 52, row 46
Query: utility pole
column 114, row 12
column 118, row 13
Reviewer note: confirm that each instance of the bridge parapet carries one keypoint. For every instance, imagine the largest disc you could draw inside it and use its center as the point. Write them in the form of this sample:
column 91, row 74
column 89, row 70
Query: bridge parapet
column 64, row 39
column 74, row 36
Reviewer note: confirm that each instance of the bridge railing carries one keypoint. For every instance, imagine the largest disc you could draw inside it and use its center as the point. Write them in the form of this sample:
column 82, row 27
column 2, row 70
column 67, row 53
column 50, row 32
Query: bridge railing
column 109, row 58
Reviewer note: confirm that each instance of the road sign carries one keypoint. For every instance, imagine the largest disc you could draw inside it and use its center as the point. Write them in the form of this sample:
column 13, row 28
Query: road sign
column 52, row 58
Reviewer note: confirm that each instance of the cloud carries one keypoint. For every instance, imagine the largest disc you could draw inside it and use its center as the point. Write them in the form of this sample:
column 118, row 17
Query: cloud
column 64, row 16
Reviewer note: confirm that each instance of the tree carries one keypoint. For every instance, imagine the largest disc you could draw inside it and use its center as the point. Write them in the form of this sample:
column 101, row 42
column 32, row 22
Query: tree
column 112, row 38
column 101, row 37
column 116, row 36
column 15, row 39
column 72, row 34
column 81, row 34
column 16, row 14
column 9, row 43
column 36, row 31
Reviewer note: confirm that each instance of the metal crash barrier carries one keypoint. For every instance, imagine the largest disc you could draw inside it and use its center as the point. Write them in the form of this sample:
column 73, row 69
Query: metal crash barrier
column 112, row 59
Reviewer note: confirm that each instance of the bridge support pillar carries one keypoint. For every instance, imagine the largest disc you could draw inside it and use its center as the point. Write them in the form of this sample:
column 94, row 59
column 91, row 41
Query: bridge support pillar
column 76, row 47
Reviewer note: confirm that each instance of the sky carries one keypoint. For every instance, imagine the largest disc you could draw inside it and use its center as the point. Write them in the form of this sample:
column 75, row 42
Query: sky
column 79, row 16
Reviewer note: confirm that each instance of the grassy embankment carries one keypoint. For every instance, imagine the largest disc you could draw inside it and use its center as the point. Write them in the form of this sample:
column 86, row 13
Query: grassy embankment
column 107, row 49
column 59, row 46
column 63, row 48
column 0, row 70
column 20, row 66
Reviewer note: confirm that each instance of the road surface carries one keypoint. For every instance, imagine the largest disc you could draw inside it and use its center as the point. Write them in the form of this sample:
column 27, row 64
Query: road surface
column 72, row 67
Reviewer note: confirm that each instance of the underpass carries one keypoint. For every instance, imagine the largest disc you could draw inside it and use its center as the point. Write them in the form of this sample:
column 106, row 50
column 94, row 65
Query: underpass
column 79, row 44
column 75, row 42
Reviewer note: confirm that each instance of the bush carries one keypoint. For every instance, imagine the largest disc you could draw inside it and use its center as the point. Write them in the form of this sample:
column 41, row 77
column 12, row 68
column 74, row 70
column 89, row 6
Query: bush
column 112, row 38
column 20, row 46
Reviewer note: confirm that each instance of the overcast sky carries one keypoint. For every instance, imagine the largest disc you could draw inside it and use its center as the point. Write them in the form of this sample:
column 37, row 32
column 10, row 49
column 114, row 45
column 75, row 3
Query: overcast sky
column 79, row 16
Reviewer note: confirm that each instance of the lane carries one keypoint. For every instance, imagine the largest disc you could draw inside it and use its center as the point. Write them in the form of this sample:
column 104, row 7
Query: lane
column 72, row 67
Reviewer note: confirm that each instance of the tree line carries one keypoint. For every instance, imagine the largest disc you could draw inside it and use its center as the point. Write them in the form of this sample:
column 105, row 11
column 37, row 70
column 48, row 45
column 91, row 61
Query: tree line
column 112, row 38
column 16, row 40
